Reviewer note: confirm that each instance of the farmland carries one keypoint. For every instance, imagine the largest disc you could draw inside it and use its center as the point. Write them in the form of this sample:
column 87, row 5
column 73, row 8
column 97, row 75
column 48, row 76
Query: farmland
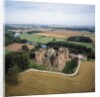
column 17, row 46
column 33, row 83
column 38, row 38
column 65, row 33
column 60, row 33
column 49, row 37
column 28, row 29
column 53, row 57
column 49, row 48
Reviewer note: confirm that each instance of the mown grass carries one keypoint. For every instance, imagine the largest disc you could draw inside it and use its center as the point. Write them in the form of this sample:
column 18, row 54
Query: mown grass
column 39, row 39
column 34, row 82
column 34, row 65
column 46, row 39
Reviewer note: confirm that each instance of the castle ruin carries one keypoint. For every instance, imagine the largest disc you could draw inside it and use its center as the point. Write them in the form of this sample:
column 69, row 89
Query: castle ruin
column 52, row 59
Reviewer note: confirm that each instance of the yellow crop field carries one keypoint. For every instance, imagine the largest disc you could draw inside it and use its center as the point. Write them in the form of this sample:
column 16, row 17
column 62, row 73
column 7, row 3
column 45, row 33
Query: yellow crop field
column 60, row 33
column 65, row 34
column 34, row 82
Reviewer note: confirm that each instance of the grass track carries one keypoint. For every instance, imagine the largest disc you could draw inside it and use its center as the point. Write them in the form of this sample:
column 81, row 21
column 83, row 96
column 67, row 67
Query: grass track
column 33, row 83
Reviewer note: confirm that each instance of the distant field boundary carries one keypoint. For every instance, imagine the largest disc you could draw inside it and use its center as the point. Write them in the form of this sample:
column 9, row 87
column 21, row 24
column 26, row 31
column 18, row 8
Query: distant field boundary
column 70, row 75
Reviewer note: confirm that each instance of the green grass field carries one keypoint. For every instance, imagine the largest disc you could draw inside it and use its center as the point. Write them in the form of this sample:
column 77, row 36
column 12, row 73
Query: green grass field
column 39, row 39
column 42, row 39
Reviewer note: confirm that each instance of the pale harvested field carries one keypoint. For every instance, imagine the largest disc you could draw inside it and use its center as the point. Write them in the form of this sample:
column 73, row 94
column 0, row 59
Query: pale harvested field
column 63, row 33
column 33, row 82
column 17, row 46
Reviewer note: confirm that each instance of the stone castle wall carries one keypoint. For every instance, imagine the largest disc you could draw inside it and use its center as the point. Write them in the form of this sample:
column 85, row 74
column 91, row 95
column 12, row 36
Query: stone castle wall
column 53, row 59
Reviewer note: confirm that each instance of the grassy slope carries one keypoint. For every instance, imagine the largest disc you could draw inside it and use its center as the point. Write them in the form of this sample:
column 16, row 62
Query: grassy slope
column 33, row 83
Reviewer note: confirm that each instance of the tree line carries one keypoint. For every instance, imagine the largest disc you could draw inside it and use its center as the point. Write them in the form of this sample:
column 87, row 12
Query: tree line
column 16, row 62
column 10, row 38
column 80, row 39
column 73, row 48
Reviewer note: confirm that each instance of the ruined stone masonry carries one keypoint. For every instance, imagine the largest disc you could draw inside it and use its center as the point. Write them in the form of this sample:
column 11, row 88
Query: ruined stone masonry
column 53, row 59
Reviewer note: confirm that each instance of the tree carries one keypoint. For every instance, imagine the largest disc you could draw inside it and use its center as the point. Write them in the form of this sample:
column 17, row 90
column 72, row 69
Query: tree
column 32, row 55
column 10, row 38
column 13, row 75
column 80, row 39
column 20, row 59
column 24, row 41
column 73, row 48
column 70, row 66
column 17, row 39
column 54, row 40
column 25, row 48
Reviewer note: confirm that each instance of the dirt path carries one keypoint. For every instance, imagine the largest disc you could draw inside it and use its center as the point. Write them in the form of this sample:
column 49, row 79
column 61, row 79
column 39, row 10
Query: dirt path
column 51, row 72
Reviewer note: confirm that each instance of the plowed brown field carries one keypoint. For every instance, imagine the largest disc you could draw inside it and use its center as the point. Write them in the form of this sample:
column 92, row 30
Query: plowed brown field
column 17, row 46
